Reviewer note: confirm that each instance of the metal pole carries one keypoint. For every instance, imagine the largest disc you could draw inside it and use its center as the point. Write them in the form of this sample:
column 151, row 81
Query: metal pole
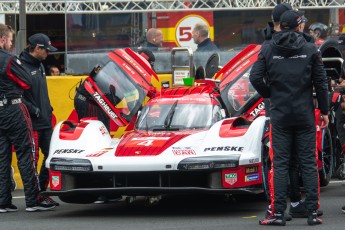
column 21, row 35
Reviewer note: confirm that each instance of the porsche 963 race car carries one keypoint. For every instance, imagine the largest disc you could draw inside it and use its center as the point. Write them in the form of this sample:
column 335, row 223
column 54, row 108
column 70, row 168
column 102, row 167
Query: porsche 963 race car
column 205, row 138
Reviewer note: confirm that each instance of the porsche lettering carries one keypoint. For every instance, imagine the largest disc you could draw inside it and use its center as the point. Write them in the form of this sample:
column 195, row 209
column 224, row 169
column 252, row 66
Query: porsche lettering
column 224, row 148
column 61, row 151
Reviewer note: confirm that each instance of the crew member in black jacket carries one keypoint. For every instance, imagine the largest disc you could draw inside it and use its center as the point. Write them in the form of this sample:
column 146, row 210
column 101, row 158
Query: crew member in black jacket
column 297, row 206
column 293, row 67
column 38, row 103
column 200, row 34
column 154, row 39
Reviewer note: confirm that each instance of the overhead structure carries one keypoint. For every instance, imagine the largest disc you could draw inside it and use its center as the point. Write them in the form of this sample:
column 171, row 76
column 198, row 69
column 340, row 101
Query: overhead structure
column 136, row 6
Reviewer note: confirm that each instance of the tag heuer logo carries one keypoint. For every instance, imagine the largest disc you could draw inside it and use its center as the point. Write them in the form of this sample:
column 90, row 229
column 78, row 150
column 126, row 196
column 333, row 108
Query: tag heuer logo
column 231, row 178
column 55, row 181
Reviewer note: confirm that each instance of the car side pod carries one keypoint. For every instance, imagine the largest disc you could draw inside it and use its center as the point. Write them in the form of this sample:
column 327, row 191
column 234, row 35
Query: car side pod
column 234, row 127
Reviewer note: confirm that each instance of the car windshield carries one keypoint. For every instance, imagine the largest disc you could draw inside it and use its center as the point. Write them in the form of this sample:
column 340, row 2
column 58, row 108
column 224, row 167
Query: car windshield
column 240, row 91
column 177, row 116
column 118, row 87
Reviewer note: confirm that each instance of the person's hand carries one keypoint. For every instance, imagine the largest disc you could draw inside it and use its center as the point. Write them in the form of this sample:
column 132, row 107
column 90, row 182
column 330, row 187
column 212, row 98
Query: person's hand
column 324, row 120
column 37, row 112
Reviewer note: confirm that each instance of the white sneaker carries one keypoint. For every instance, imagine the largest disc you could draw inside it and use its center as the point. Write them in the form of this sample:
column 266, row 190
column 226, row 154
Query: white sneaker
column 40, row 207
column 8, row 208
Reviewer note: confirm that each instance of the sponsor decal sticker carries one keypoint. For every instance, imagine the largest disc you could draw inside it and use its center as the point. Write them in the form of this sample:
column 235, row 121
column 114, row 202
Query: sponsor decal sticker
column 105, row 106
column 55, row 181
column 252, row 169
column 230, row 178
column 252, row 177
column 96, row 154
column 257, row 109
column 150, row 138
column 103, row 130
column 62, row 151
column 225, row 148
column 252, row 161
column 183, row 151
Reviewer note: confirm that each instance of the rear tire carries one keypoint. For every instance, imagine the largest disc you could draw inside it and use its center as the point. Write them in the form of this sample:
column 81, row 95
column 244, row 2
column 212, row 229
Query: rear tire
column 327, row 158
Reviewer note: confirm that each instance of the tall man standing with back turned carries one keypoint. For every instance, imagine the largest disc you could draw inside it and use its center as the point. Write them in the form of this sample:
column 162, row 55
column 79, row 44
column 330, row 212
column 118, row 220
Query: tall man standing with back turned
column 294, row 67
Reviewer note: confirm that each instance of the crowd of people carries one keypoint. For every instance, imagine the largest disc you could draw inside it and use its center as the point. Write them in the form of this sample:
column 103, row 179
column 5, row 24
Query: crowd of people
column 289, row 68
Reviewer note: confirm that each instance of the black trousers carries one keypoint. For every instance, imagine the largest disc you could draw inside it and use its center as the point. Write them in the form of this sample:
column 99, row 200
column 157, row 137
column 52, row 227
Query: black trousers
column 300, row 140
column 16, row 129
column 295, row 192
column 42, row 141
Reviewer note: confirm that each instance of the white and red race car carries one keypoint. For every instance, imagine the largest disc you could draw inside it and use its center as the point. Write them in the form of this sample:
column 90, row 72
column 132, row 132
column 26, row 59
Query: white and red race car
column 185, row 140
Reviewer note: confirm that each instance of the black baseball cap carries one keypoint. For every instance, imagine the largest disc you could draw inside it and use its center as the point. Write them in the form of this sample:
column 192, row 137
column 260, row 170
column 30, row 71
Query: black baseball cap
column 41, row 40
column 291, row 19
column 341, row 42
column 279, row 9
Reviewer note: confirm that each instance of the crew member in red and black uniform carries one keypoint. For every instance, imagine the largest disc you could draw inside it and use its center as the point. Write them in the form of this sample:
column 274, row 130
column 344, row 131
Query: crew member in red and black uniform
column 15, row 128
column 37, row 101
column 294, row 67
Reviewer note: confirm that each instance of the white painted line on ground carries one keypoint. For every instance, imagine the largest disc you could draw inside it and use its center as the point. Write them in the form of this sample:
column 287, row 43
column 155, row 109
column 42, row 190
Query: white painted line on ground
column 336, row 181
column 18, row 197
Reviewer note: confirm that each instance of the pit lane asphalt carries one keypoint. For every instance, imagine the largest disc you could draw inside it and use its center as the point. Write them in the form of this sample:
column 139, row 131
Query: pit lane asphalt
column 173, row 212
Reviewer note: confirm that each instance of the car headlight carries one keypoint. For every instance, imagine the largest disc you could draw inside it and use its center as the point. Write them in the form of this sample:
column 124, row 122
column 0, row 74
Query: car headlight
column 209, row 162
column 70, row 164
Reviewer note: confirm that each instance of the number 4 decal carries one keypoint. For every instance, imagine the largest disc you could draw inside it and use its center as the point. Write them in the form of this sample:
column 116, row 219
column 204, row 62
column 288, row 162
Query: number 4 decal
column 146, row 143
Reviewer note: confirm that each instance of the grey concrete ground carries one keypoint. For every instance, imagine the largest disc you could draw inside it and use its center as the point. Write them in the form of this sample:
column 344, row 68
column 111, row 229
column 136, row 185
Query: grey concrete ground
column 173, row 212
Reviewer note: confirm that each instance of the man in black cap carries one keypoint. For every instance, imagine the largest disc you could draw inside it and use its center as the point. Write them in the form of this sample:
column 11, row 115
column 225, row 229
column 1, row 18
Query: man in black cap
column 287, row 70
column 38, row 103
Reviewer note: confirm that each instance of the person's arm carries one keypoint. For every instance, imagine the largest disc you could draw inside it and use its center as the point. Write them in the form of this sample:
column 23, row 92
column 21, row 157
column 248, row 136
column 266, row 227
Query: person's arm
column 30, row 104
column 320, row 83
column 257, row 75
column 17, row 72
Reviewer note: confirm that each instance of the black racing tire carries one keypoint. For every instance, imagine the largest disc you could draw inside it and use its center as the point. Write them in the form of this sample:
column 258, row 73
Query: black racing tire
column 329, row 49
column 78, row 199
column 327, row 158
